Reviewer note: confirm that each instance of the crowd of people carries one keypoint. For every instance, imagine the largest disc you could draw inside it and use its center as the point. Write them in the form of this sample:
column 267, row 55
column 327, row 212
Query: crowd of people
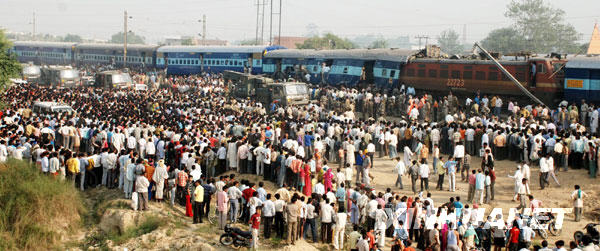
column 170, row 145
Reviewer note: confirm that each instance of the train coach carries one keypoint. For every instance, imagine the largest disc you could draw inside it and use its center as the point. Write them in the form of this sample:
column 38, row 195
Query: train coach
column 50, row 53
column 339, row 67
column 185, row 60
column 102, row 54
column 582, row 79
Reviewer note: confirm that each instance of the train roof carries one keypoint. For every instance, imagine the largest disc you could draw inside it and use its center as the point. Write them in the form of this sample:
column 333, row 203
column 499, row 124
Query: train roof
column 584, row 62
column 397, row 55
column 44, row 44
column 115, row 46
column 466, row 61
column 218, row 49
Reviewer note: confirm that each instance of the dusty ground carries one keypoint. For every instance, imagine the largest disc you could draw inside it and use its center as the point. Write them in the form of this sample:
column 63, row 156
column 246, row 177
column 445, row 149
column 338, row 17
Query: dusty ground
column 179, row 229
column 554, row 196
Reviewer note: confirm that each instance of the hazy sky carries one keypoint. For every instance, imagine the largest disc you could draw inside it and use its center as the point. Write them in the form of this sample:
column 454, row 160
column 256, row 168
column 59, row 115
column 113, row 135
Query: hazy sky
column 236, row 19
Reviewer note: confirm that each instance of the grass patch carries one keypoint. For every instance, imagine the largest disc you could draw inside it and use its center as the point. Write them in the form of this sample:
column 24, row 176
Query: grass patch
column 149, row 224
column 35, row 208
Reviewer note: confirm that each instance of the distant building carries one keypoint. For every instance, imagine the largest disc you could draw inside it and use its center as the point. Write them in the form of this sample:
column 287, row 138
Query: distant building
column 289, row 42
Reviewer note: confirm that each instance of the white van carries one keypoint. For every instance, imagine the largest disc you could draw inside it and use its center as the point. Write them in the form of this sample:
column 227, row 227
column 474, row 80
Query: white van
column 46, row 107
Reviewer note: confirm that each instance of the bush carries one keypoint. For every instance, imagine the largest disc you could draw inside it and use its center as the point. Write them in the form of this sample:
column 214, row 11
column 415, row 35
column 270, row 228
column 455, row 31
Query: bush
column 35, row 208
column 149, row 224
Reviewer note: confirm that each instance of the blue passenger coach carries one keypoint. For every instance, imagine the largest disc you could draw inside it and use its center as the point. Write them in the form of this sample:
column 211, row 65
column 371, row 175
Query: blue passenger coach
column 582, row 79
column 183, row 60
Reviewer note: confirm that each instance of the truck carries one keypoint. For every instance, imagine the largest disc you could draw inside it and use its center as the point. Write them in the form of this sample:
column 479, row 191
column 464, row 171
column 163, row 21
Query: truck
column 113, row 80
column 59, row 76
column 265, row 90
column 31, row 72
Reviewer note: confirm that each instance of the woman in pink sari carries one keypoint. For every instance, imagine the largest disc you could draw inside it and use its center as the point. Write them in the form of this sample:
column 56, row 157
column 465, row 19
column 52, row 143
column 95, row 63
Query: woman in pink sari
column 327, row 179
column 307, row 181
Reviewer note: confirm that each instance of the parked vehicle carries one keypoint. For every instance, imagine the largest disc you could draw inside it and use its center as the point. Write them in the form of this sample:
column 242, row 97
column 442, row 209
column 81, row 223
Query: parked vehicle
column 236, row 237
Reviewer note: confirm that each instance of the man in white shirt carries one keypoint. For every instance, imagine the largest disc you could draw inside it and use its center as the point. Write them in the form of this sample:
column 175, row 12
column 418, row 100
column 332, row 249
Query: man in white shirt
column 340, row 226
column 544, row 169
column 526, row 236
column 234, row 195
column 268, row 211
column 577, row 198
column 327, row 214
column 424, row 175
column 380, row 224
column 400, row 169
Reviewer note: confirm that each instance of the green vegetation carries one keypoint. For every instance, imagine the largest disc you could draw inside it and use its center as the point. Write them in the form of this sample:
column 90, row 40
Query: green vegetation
column 9, row 66
column 99, row 238
column 35, row 209
column 328, row 41
column 149, row 224
column 132, row 38
column 449, row 42
column 537, row 27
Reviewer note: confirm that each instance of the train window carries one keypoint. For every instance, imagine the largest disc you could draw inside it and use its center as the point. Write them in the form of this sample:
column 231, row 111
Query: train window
column 421, row 73
column 392, row 73
column 504, row 77
column 492, row 75
column 541, row 68
column 384, row 72
column 467, row 74
column 443, row 73
column 444, row 66
column 421, row 65
column 480, row 75
column 456, row 74
column 432, row 73
column 345, row 70
column 520, row 76
column 315, row 68
column 410, row 72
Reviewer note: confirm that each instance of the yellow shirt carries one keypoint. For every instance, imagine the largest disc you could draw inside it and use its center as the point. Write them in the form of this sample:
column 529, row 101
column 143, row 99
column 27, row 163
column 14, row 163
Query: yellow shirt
column 199, row 194
column 73, row 165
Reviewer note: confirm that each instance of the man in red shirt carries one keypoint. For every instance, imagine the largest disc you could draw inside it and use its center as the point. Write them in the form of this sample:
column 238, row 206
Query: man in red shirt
column 255, row 221
column 513, row 239
column 247, row 194
column 493, row 181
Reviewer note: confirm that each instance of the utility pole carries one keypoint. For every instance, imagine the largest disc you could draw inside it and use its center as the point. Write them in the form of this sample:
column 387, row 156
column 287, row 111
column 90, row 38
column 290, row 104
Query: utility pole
column 262, row 23
column 33, row 24
column 422, row 37
column 271, row 25
column 279, row 34
column 464, row 34
column 257, row 20
column 125, row 39
column 203, row 29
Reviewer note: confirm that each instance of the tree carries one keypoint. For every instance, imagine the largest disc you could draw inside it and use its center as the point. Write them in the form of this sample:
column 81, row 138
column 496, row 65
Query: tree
column 187, row 41
column 542, row 27
column 328, row 41
column 449, row 42
column 72, row 38
column 132, row 38
column 379, row 44
column 9, row 66
column 247, row 42
column 504, row 40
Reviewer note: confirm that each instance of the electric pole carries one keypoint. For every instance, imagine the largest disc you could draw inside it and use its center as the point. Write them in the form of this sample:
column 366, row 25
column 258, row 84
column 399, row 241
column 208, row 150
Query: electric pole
column 262, row 23
column 125, row 39
column 271, row 25
column 203, row 29
column 279, row 34
column 257, row 20
column 33, row 24
column 422, row 37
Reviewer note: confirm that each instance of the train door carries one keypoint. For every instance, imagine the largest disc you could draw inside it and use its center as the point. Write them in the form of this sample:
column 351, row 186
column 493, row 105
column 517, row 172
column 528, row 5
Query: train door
column 201, row 58
column 367, row 77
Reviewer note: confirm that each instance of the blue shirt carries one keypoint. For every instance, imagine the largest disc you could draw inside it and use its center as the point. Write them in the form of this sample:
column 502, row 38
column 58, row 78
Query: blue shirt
column 451, row 166
column 340, row 194
column 400, row 233
column 308, row 140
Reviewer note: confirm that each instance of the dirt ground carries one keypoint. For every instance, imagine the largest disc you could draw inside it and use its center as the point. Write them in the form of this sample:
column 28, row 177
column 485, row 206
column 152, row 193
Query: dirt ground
column 553, row 197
